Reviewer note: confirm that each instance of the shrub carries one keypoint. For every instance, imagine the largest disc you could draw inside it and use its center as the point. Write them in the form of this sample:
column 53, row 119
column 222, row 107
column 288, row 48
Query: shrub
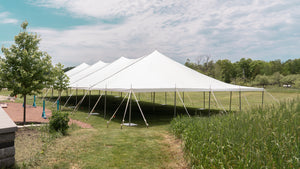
column 59, row 122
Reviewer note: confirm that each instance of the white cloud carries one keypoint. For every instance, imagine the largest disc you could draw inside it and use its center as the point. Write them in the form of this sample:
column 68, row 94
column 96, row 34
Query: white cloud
column 5, row 19
column 178, row 28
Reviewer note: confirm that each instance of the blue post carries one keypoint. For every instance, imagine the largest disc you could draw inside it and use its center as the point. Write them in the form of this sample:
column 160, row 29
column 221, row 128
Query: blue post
column 34, row 105
column 57, row 105
column 44, row 114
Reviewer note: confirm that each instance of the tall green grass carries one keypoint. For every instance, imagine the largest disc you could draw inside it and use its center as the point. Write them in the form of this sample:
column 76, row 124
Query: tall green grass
column 268, row 138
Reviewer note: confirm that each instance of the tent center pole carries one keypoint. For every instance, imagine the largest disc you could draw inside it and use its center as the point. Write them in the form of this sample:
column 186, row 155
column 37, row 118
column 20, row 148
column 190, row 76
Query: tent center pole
column 240, row 100
column 230, row 100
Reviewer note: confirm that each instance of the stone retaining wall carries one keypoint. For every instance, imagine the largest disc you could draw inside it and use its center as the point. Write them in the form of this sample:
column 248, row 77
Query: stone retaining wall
column 7, row 140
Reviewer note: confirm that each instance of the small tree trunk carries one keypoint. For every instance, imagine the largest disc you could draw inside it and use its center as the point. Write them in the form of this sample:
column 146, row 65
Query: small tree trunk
column 24, row 114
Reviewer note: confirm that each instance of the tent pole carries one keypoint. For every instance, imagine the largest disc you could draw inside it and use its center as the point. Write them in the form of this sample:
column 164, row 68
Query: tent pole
column 165, row 98
column 121, row 94
column 183, row 104
column 140, row 96
column 153, row 105
column 175, row 103
column 105, row 104
column 125, row 110
column 89, row 100
column 116, row 110
column 262, row 99
column 71, row 94
column 76, row 95
column 52, row 92
column 240, row 100
column 137, row 102
column 77, row 106
column 204, row 100
column 230, row 100
column 209, row 93
column 95, row 106
column 183, row 97
column 130, row 100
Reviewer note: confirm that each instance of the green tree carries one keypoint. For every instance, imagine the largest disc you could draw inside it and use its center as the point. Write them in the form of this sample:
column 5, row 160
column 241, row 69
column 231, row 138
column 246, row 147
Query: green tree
column 262, row 80
column 276, row 78
column 25, row 69
column 227, row 70
column 61, row 80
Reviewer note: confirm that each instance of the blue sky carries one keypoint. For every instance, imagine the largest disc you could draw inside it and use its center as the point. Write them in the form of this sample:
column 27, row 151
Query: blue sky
column 76, row 31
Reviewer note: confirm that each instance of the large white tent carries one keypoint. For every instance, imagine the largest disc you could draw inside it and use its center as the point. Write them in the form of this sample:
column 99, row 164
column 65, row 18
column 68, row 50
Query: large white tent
column 77, row 69
column 102, row 74
column 158, row 73
column 87, row 71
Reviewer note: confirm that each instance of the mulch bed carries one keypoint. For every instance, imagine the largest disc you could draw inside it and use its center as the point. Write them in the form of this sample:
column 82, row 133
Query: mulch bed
column 34, row 114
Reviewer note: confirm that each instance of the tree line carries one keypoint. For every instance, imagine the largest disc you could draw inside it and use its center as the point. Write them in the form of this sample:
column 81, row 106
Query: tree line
column 250, row 72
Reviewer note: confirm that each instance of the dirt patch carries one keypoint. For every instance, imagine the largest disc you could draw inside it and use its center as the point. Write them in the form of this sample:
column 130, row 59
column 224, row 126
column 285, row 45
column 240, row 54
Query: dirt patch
column 175, row 149
column 80, row 124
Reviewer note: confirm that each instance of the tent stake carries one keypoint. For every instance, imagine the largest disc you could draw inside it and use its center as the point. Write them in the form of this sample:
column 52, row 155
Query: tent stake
column 230, row 100
column 240, row 93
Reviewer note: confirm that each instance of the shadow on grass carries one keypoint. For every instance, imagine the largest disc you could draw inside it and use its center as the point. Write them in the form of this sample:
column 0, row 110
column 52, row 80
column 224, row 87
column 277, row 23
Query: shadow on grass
column 155, row 114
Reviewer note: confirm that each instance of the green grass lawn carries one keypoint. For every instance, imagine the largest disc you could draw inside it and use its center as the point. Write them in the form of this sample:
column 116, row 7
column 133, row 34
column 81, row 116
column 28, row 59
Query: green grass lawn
column 131, row 147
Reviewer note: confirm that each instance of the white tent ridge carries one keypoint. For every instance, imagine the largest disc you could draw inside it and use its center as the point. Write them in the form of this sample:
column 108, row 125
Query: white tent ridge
column 77, row 69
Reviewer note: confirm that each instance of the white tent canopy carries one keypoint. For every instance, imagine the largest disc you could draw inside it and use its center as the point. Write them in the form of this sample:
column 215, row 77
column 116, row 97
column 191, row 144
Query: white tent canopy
column 158, row 73
column 87, row 71
column 102, row 74
column 77, row 69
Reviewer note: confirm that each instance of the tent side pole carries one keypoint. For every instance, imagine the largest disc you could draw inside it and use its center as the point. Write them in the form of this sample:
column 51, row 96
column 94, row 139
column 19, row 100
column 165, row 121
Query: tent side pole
column 116, row 110
column 105, row 104
column 175, row 103
column 209, row 94
column 183, row 104
column 125, row 110
column 137, row 102
column 204, row 100
column 153, row 105
column 183, row 97
column 130, row 100
column 230, row 100
column 240, row 100
column 89, row 100
column 76, row 96
column 262, row 99
column 95, row 106
column 165, row 98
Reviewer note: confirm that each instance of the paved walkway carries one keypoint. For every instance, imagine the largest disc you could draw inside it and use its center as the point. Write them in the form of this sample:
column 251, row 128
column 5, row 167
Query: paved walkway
column 34, row 114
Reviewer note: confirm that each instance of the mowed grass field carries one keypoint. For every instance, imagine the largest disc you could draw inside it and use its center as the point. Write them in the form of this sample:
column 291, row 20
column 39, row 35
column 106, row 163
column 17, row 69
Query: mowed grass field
column 131, row 147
